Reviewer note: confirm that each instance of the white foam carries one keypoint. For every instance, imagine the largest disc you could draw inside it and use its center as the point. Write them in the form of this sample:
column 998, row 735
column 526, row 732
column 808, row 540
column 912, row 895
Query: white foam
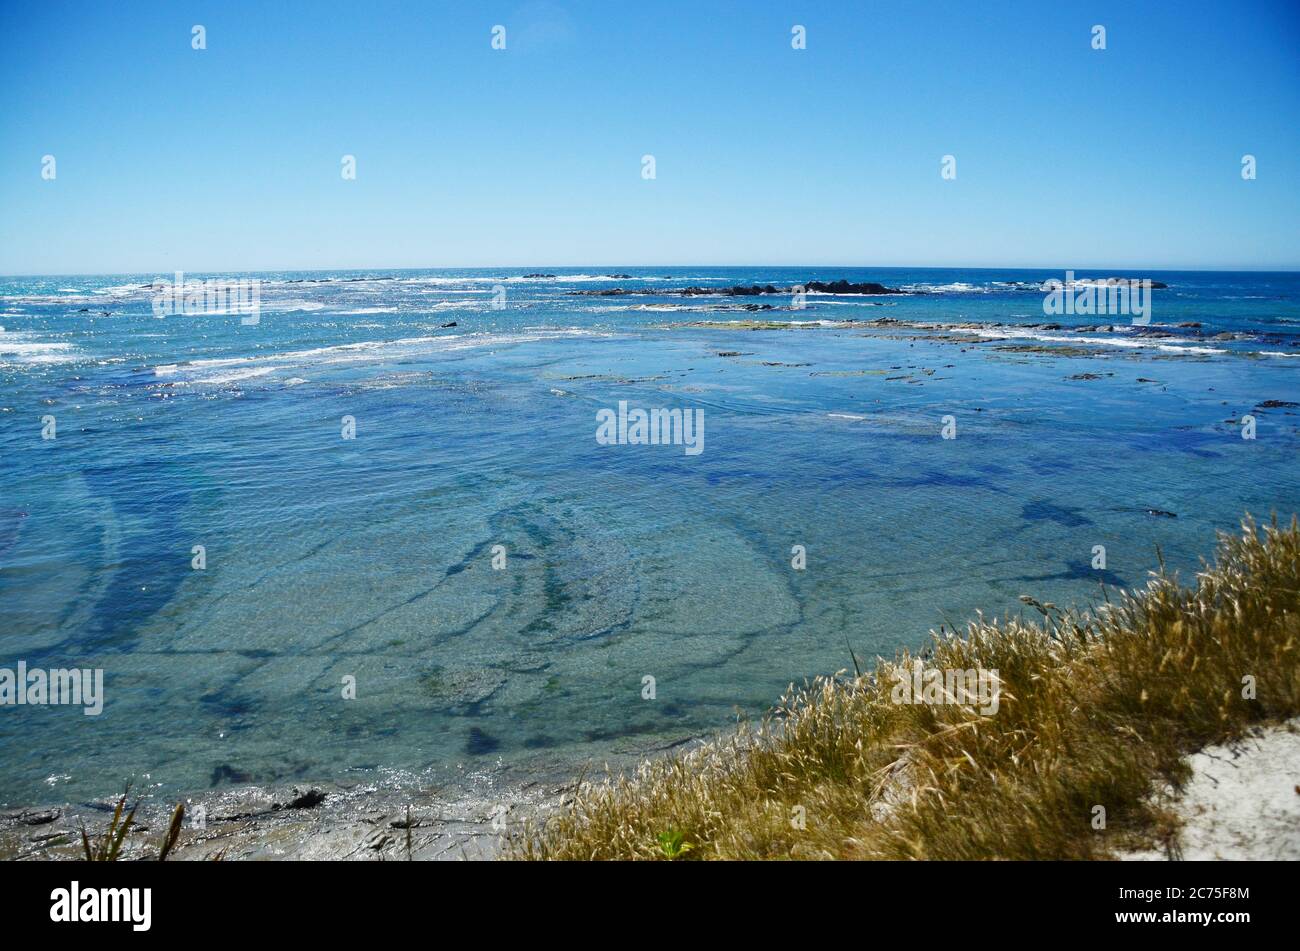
column 235, row 376
column 230, row 369
column 20, row 348
column 957, row 287
column 1167, row 344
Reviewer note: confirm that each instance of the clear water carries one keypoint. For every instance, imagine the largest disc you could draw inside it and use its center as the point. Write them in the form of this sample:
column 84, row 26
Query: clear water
column 372, row 557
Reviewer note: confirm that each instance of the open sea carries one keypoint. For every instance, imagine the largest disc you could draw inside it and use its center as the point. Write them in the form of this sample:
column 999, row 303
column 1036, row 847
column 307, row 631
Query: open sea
column 494, row 582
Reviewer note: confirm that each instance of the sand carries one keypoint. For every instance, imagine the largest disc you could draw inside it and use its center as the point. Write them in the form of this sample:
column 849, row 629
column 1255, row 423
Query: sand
column 1243, row 800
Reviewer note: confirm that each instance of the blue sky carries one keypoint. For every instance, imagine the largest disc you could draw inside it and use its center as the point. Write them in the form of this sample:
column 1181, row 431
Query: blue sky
column 229, row 158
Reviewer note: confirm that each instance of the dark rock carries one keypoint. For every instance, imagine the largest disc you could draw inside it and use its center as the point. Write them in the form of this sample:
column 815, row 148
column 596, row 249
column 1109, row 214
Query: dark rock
column 479, row 743
column 740, row 290
column 41, row 818
column 737, row 291
column 845, row 287
column 303, row 799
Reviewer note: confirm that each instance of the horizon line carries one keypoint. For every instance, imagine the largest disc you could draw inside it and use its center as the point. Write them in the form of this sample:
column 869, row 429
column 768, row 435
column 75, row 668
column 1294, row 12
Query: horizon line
column 1294, row 269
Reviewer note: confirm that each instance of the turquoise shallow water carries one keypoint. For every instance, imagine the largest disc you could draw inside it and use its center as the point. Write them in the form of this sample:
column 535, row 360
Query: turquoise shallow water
column 372, row 557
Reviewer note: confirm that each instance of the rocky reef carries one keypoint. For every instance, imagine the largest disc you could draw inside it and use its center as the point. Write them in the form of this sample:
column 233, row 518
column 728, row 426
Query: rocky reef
column 740, row 290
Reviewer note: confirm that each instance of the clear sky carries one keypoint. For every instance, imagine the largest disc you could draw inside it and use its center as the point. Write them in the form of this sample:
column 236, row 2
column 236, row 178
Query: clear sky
column 229, row 158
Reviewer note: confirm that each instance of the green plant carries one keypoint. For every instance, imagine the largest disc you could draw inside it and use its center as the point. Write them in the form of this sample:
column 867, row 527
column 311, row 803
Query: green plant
column 672, row 844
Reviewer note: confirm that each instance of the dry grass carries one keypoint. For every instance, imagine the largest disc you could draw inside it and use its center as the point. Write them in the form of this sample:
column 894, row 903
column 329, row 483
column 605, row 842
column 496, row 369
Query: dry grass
column 1094, row 709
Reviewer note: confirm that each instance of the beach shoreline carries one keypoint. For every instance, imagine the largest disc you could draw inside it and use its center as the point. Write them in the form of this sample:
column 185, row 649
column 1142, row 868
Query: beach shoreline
column 1237, row 804
column 463, row 818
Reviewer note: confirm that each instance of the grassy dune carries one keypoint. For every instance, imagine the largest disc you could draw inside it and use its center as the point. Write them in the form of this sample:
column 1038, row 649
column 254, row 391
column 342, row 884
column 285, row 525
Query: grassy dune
column 1096, row 708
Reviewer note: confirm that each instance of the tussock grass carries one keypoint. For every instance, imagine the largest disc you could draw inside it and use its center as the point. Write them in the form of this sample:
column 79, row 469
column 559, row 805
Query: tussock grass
column 1096, row 709
column 107, row 847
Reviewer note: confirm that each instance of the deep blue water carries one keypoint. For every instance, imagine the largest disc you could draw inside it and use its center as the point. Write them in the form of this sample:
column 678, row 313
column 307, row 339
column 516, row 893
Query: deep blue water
column 372, row 557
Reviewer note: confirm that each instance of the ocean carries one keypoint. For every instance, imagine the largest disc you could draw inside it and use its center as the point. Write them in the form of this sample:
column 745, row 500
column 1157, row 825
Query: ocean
column 373, row 536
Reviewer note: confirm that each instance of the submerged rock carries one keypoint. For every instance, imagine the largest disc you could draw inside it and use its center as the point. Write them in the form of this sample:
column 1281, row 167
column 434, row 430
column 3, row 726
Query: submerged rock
column 227, row 773
column 479, row 743
column 462, row 688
